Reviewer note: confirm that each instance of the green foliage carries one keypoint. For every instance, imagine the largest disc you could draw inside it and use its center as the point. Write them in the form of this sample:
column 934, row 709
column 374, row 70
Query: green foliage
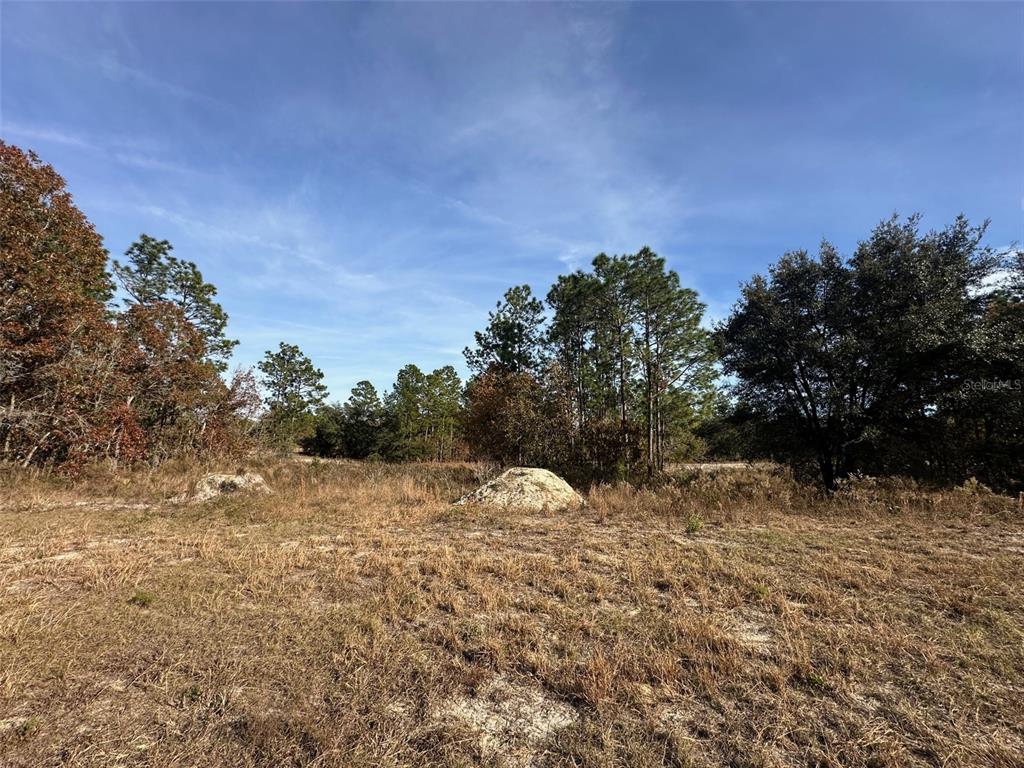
column 142, row 598
column 419, row 419
column 730, row 431
column 673, row 352
column 512, row 338
column 443, row 412
column 984, row 428
column 623, row 372
column 294, row 389
column 407, row 415
column 360, row 428
column 153, row 276
column 423, row 414
column 858, row 365
column 327, row 437
column 364, row 419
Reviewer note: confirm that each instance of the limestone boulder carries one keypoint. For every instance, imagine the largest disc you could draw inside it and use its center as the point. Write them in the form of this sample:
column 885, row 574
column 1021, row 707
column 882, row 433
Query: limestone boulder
column 215, row 485
column 526, row 489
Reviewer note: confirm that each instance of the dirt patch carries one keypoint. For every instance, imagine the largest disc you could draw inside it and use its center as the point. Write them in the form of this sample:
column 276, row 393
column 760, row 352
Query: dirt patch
column 511, row 719
column 15, row 725
column 750, row 629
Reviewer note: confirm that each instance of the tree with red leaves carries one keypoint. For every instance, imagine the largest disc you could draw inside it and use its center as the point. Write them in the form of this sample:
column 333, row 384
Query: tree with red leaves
column 79, row 382
column 53, row 288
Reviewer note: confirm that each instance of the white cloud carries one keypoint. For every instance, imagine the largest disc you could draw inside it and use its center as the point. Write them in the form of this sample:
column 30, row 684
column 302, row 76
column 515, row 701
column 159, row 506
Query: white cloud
column 152, row 163
column 131, row 152
column 46, row 135
column 287, row 235
column 114, row 69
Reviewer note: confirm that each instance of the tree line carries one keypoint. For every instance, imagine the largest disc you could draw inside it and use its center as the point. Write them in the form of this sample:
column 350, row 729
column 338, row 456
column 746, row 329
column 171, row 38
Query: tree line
column 422, row 418
column 608, row 380
column 906, row 357
column 419, row 419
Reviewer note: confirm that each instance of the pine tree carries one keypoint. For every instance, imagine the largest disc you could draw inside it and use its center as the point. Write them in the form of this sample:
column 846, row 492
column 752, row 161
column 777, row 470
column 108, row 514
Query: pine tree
column 405, row 404
column 573, row 300
column 512, row 339
column 364, row 422
column 674, row 352
column 443, row 407
column 153, row 276
column 294, row 390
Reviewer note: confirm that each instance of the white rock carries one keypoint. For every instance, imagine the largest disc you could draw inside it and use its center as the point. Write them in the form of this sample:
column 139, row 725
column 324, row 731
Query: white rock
column 212, row 486
column 526, row 489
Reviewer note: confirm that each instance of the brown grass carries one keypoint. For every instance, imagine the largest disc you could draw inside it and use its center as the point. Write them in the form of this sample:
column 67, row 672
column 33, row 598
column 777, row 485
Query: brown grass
column 355, row 618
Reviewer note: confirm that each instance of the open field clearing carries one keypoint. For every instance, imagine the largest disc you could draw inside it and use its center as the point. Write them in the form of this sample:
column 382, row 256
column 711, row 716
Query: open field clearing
column 354, row 618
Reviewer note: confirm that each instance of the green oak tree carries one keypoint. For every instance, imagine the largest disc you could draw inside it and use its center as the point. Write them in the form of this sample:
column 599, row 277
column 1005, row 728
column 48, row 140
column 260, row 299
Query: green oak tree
column 853, row 361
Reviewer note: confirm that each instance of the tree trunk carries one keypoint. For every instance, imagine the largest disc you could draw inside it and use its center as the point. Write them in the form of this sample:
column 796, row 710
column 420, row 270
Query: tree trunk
column 649, row 375
column 828, row 473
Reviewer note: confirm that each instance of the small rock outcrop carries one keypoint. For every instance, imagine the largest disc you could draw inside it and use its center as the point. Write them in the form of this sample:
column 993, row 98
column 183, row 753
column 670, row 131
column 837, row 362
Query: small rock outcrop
column 212, row 486
column 526, row 489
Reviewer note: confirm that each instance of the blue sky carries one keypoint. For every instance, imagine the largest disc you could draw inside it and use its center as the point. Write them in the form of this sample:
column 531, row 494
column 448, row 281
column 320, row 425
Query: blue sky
column 366, row 180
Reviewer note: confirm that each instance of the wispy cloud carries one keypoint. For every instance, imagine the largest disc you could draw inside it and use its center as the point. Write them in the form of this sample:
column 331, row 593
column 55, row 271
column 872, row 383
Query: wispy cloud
column 151, row 163
column 49, row 39
column 44, row 135
column 122, row 150
column 114, row 69
column 274, row 271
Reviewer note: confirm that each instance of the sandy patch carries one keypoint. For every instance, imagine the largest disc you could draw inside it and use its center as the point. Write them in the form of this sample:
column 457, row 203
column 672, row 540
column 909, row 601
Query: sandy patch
column 510, row 718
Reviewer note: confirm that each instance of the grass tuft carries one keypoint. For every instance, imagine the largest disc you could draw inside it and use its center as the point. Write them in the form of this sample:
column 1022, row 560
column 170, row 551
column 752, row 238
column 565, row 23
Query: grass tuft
column 142, row 598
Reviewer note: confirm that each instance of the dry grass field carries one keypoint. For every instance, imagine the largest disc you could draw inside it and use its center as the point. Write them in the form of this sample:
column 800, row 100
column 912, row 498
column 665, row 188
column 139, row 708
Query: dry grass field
column 354, row 618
